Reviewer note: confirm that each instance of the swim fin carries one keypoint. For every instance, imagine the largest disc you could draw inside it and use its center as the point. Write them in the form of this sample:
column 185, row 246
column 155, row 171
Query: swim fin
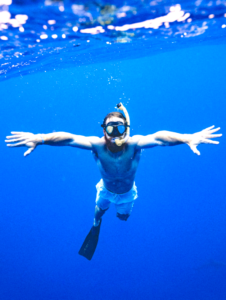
column 89, row 245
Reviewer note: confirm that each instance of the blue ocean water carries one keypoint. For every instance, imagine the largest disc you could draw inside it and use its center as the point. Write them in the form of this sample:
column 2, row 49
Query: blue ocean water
column 170, row 77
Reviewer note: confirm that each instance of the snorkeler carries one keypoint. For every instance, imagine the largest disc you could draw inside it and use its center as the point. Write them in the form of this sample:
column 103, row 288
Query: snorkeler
column 117, row 155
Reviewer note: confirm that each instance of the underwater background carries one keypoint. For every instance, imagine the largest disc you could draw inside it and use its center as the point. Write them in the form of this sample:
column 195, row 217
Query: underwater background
column 170, row 75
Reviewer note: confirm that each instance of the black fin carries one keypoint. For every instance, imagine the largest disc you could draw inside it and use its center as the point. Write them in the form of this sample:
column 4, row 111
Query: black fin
column 89, row 245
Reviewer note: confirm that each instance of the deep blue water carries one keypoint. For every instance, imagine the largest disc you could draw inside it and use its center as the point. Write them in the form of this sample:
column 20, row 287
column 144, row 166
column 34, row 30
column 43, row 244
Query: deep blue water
column 173, row 245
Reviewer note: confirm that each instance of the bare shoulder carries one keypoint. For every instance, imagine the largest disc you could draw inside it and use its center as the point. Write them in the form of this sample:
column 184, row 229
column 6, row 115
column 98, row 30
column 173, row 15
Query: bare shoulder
column 134, row 140
column 96, row 141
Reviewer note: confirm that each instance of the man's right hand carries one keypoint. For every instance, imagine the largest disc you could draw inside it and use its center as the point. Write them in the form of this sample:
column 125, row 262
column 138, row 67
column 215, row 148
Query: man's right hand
column 24, row 139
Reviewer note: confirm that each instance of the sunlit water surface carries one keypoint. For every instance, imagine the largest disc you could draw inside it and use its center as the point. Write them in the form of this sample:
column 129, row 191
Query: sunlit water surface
column 45, row 35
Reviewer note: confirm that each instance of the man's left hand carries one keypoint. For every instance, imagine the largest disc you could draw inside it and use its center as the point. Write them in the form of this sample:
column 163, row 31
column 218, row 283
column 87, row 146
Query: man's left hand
column 203, row 137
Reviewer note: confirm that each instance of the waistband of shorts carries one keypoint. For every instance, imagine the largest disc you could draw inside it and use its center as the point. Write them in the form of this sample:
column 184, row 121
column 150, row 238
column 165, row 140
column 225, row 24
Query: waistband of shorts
column 102, row 182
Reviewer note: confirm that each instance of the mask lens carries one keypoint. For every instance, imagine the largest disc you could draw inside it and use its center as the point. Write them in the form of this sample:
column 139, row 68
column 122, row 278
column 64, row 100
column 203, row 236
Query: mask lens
column 109, row 129
column 121, row 129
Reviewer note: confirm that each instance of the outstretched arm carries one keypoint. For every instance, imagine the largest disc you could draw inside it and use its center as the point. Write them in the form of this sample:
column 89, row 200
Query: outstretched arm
column 30, row 140
column 167, row 138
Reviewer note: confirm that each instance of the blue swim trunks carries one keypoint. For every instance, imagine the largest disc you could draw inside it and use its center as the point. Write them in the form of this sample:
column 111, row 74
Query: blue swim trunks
column 123, row 202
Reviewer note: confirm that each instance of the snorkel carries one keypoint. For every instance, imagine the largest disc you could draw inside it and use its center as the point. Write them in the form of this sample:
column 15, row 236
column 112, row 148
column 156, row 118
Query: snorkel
column 120, row 141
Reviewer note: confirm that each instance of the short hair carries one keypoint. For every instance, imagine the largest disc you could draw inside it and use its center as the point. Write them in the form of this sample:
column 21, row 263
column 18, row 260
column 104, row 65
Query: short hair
column 114, row 114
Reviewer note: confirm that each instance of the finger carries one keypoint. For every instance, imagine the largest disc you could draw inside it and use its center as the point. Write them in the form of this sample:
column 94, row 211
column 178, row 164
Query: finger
column 209, row 128
column 195, row 150
column 28, row 151
column 212, row 136
column 18, row 132
column 206, row 141
column 17, row 144
column 13, row 136
column 15, row 140
column 214, row 130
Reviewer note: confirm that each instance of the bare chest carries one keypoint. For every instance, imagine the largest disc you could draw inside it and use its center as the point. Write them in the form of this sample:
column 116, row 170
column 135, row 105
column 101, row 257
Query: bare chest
column 117, row 165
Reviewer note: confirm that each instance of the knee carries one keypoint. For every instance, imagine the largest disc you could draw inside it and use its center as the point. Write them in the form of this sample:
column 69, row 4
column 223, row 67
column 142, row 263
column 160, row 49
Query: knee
column 99, row 212
column 123, row 217
column 97, row 209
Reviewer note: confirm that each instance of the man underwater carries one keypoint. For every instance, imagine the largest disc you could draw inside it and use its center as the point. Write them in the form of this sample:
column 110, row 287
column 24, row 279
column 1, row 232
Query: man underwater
column 117, row 155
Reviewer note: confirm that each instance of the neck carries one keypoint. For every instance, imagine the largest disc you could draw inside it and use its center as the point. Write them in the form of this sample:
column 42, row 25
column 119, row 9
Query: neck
column 112, row 147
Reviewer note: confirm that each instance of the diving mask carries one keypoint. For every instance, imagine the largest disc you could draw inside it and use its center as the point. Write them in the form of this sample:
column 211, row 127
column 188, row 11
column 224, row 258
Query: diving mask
column 115, row 129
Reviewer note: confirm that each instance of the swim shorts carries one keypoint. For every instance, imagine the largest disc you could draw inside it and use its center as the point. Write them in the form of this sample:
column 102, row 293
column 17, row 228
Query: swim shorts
column 123, row 202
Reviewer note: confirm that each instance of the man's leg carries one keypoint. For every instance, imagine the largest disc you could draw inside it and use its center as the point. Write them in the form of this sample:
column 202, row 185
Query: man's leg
column 123, row 217
column 102, row 202
column 99, row 212
column 124, row 210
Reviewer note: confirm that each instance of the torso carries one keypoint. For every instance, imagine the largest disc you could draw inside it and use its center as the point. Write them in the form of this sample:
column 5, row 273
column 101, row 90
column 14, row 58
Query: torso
column 117, row 169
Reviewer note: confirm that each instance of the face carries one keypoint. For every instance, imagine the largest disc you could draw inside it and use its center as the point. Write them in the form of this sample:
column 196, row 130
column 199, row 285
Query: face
column 113, row 119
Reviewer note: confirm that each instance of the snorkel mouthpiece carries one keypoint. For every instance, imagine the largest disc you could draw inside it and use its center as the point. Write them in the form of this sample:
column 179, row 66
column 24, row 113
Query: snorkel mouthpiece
column 120, row 141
